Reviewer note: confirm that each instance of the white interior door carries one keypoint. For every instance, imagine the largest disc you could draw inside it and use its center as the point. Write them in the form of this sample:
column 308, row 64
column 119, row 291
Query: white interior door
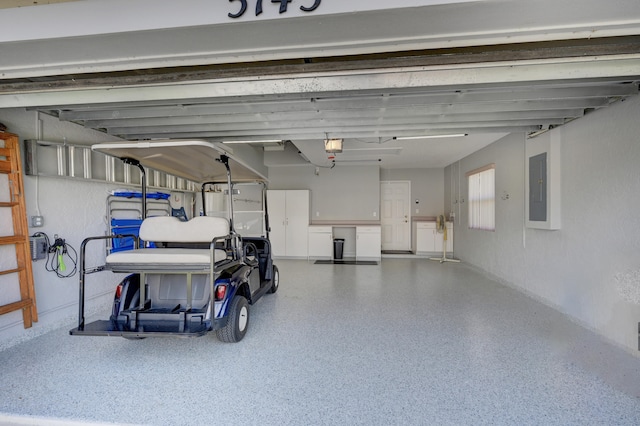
column 395, row 217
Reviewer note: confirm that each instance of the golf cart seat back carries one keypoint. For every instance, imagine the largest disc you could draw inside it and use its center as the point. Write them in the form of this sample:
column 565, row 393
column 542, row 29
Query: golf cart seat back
column 169, row 229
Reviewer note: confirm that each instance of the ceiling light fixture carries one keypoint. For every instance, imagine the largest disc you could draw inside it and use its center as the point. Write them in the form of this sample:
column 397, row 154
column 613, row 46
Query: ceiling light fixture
column 407, row 138
column 333, row 146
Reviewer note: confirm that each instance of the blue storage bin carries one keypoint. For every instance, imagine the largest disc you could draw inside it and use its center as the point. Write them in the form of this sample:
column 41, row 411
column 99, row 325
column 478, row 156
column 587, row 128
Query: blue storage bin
column 134, row 194
column 119, row 223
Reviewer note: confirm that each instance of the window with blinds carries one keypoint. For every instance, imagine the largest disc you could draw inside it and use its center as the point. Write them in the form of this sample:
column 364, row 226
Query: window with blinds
column 482, row 198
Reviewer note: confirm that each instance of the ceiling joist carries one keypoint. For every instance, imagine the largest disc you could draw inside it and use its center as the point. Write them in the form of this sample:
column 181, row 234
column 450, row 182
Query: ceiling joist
column 485, row 94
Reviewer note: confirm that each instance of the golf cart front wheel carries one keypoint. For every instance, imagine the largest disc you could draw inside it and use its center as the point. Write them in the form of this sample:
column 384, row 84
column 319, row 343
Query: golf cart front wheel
column 275, row 280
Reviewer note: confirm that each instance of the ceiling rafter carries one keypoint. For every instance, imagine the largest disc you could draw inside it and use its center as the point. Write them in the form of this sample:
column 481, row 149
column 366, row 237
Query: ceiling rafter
column 591, row 96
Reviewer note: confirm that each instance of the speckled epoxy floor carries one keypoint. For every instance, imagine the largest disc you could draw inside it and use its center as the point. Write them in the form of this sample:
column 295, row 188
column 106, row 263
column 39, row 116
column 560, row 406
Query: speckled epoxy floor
column 405, row 342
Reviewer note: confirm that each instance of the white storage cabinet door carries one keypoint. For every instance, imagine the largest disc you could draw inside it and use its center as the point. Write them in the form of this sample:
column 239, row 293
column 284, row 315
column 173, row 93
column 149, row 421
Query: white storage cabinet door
column 426, row 237
column 276, row 203
column 368, row 242
column 320, row 242
column 289, row 221
column 297, row 223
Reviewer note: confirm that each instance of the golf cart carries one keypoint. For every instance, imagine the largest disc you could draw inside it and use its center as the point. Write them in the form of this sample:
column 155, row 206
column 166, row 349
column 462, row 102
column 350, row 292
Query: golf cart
column 185, row 278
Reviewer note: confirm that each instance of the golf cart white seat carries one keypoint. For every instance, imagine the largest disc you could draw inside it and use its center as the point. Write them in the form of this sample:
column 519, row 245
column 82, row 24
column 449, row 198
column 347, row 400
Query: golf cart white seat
column 168, row 229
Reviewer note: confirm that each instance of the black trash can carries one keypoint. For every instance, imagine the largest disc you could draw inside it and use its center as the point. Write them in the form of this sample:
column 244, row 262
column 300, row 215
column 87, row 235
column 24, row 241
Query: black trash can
column 338, row 246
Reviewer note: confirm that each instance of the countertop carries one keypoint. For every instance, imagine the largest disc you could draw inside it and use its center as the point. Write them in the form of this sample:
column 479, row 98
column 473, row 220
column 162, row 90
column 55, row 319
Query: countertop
column 424, row 218
column 367, row 222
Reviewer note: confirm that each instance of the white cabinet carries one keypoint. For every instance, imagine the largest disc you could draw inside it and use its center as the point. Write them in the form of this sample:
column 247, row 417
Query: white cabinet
column 427, row 239
column 424, row 237
column 368, row 242
column 289, row 222
column 320, row 242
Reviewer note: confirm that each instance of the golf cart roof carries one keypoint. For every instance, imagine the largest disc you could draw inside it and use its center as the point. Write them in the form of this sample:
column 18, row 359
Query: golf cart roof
column 195, row 160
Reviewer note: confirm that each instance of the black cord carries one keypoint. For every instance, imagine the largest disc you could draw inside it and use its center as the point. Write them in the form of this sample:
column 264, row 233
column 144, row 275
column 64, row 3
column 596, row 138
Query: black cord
column 56, row 253
column 59, row 254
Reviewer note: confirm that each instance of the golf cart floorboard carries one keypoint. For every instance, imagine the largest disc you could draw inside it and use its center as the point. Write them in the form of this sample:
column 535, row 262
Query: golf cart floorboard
column 149, row 329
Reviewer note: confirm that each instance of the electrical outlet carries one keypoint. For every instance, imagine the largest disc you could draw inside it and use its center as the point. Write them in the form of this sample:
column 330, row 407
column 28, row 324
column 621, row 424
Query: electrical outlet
column 37, row 221
column 375, row 214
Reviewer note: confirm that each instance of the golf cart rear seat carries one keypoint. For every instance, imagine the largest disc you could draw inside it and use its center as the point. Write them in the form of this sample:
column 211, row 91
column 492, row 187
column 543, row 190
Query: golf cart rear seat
column 182, row 236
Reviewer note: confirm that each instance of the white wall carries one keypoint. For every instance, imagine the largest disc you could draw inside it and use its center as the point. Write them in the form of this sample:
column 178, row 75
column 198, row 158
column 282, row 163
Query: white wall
column 73, row 209
column 590, row 268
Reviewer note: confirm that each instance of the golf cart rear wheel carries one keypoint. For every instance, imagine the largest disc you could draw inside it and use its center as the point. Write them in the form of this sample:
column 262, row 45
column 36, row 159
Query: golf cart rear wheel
column 275, row 278
column 238, row 322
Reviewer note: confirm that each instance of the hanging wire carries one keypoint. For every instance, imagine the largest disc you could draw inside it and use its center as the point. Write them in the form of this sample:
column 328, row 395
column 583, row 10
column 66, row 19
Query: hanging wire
column 59, row 255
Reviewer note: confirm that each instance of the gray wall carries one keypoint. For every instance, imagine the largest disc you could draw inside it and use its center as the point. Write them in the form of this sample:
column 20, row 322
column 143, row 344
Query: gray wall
column 427, row 186
column 353, row 192
column 590, row 268
column 341, row 193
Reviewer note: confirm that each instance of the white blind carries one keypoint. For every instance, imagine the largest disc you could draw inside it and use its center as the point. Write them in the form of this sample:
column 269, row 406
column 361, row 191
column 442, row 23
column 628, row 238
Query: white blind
column 482, row 198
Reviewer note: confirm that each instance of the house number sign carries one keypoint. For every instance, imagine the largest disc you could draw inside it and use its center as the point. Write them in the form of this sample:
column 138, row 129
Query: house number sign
column 283, row 7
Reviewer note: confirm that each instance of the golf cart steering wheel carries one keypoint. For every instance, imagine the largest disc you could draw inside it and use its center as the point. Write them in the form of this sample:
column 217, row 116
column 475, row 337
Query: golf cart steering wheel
column 250, row 252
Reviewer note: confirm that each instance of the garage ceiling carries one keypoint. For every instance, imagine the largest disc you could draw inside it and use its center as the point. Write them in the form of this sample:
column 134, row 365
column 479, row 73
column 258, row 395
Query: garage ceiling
column 367, row 99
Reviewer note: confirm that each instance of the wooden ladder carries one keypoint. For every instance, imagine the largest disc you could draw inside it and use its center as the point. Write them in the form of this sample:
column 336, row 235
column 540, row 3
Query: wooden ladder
column 11, row 165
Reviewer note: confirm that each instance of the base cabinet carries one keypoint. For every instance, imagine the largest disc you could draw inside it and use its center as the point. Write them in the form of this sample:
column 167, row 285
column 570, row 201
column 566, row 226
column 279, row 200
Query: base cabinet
column 368, row 242
column 427, row 239
column 320, row 242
